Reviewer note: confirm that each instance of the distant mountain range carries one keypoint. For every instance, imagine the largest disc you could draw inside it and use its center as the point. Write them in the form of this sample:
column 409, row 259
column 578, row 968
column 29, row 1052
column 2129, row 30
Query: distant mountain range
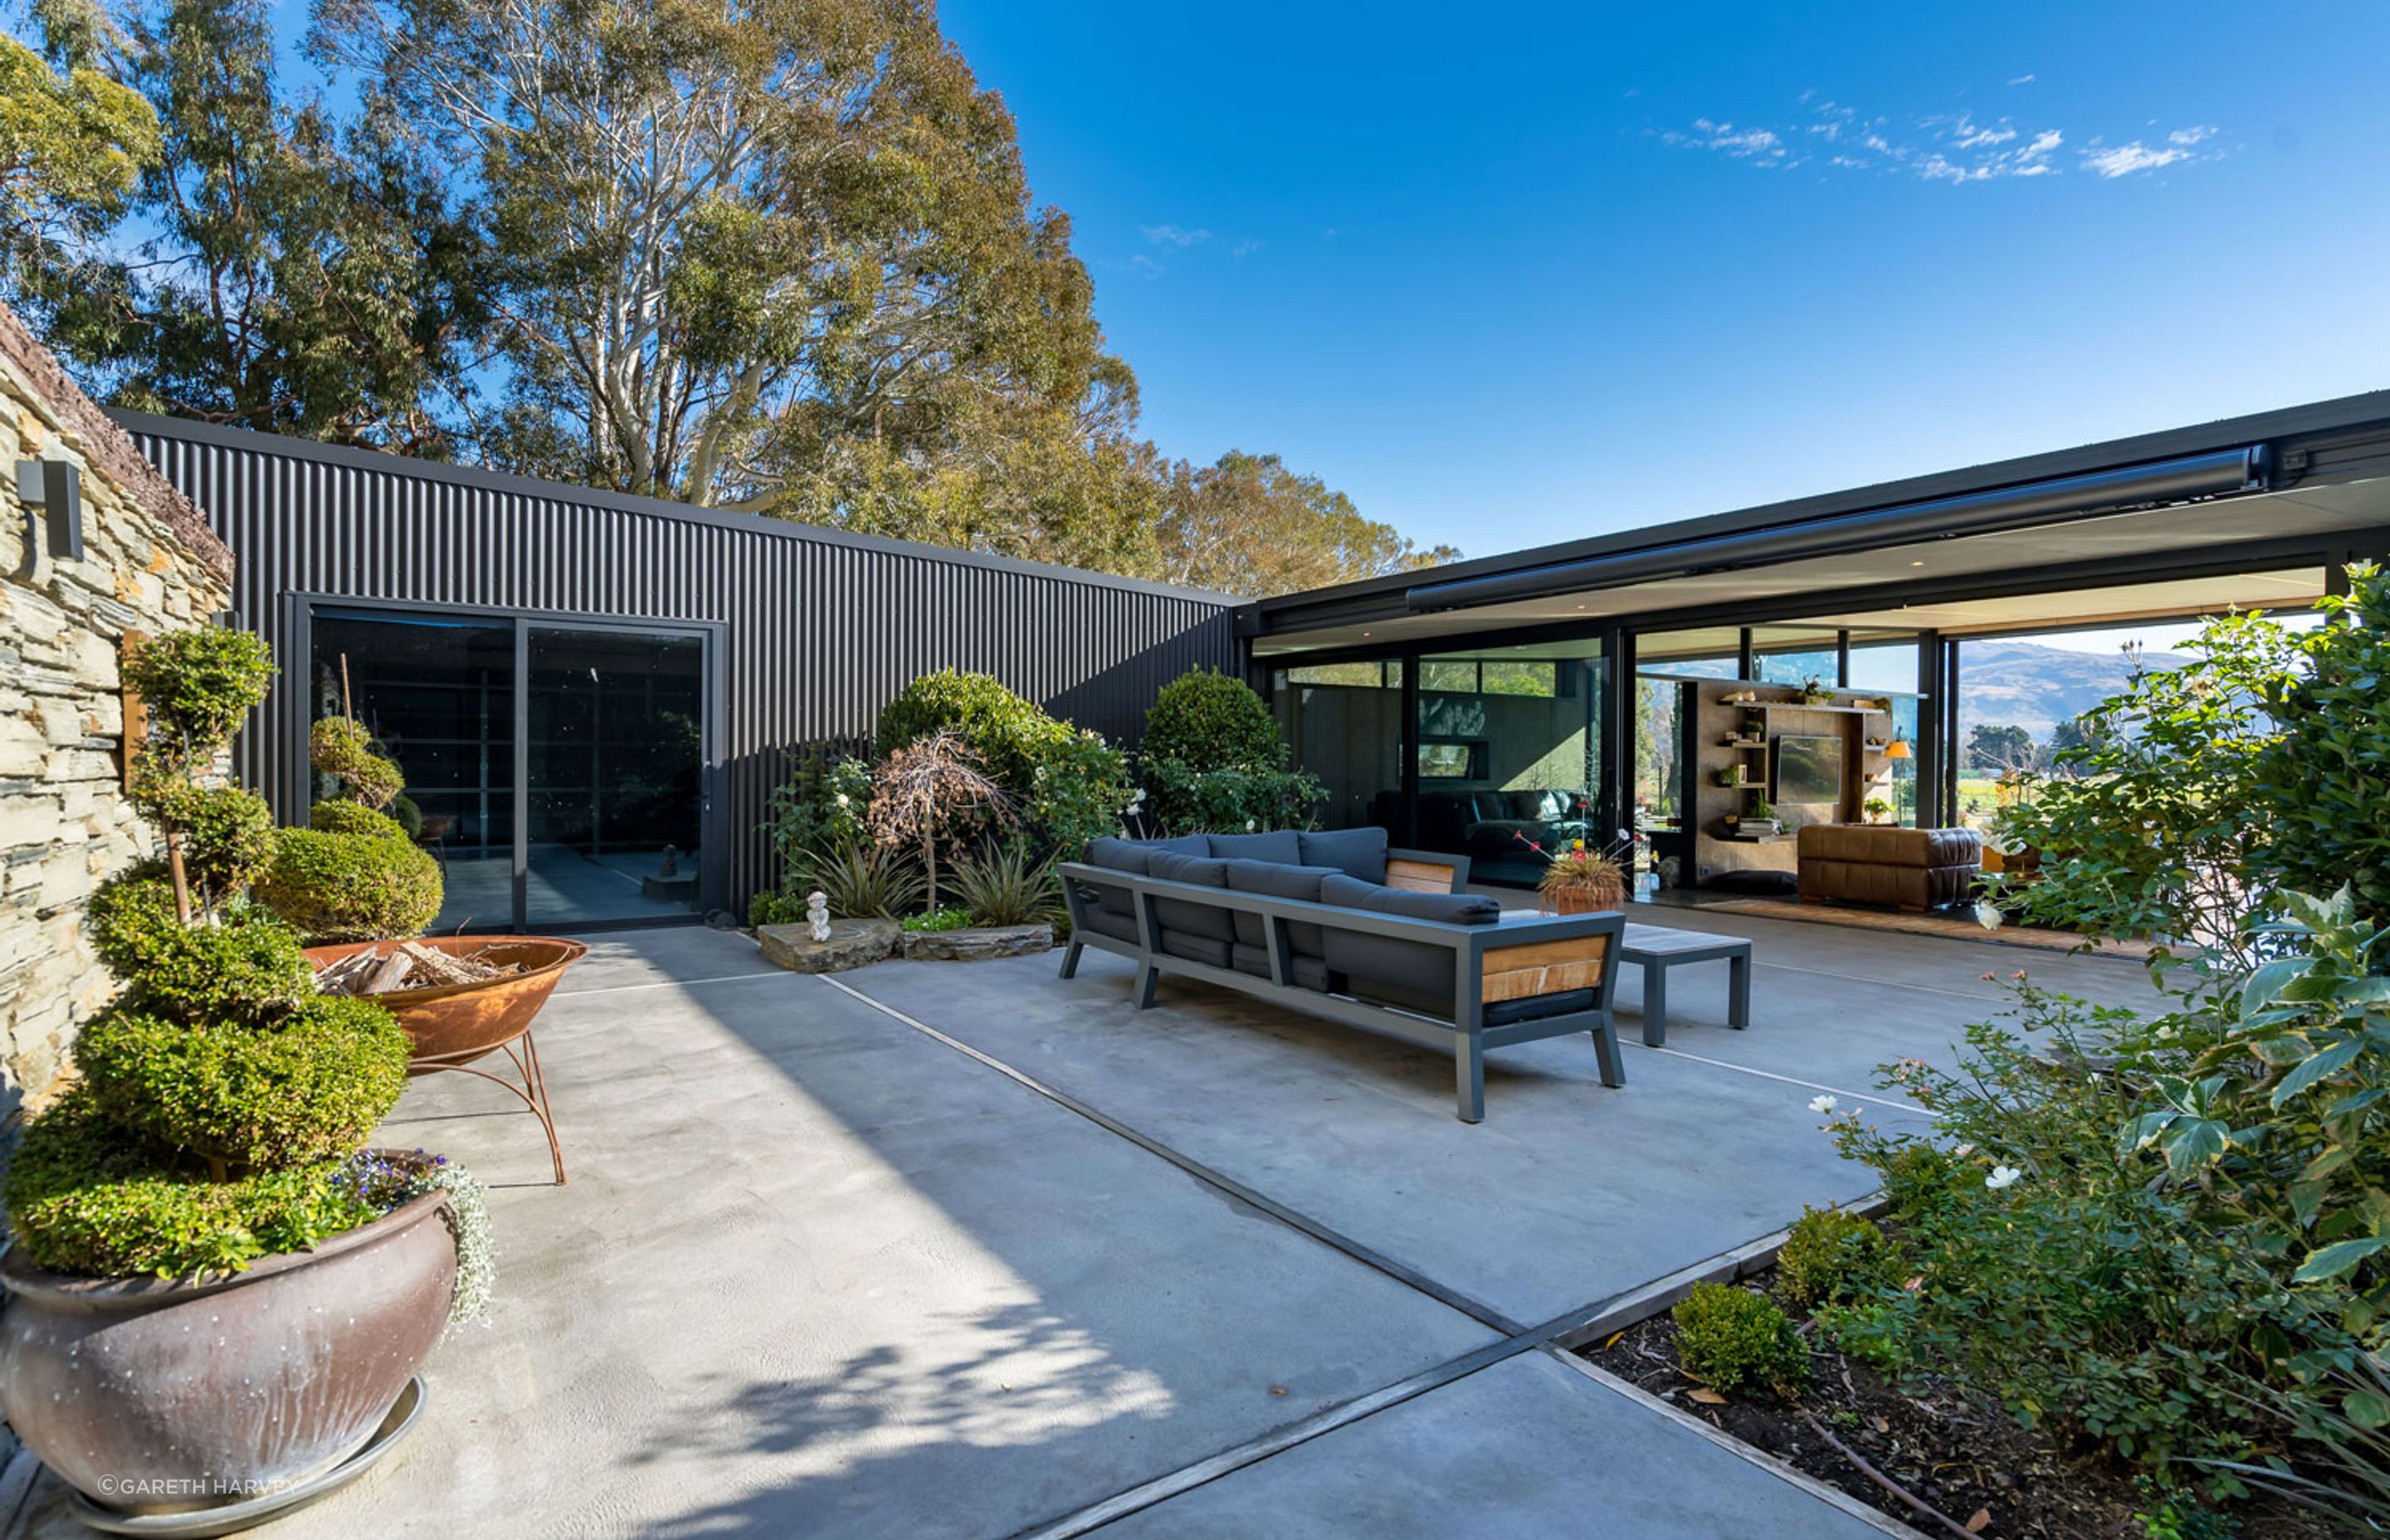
column 2033, row 687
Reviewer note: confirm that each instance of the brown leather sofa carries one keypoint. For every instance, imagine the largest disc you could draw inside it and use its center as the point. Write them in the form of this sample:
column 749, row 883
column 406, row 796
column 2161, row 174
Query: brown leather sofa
column 1913, row 868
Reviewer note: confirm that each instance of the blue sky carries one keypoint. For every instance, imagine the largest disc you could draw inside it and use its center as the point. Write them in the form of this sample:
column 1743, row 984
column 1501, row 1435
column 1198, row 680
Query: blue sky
column 1509, row 277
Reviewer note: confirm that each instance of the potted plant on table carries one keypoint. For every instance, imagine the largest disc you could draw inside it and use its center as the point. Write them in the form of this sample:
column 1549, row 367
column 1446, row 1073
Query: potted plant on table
column 215, row 1297
column 1578, row 879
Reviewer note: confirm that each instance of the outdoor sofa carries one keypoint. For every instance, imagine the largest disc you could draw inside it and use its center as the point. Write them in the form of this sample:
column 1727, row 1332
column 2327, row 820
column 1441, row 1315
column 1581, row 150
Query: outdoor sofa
column 1339, row 925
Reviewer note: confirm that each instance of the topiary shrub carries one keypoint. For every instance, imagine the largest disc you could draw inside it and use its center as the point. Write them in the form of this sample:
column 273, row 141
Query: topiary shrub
column 1212, row 721
column 1828, row 1255
column 310, row 1089
column 1731, row 1338
column 356, row 818
column 349, row 887
column 339, row 747
column 221, row 1099
column 84, row 1198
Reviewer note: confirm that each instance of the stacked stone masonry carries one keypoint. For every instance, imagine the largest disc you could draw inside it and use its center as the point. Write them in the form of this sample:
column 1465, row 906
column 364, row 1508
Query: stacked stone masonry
column 149, row 565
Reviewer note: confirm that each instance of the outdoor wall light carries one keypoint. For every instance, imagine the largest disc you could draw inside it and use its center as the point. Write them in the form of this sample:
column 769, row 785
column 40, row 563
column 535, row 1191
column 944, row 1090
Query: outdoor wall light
column 52, row 492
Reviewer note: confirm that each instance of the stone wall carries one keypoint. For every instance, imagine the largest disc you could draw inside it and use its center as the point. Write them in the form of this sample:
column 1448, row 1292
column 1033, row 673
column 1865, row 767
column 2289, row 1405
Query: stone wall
column 149, row 564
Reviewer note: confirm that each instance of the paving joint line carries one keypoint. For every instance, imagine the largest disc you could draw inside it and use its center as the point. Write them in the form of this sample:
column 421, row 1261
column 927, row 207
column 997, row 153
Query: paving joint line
column 1557, row 1337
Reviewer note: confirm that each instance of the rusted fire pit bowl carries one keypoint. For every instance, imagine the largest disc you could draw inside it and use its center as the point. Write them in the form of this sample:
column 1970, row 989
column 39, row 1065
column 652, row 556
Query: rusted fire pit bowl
column 458, row 1023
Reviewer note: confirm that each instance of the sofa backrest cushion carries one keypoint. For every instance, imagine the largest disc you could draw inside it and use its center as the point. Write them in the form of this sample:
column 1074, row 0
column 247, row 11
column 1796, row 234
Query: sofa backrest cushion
column 1357, row 853
column 1274, row 880
column 1131, row 855
column 1206, row 921
column 1279, row 845
column 1450, row 909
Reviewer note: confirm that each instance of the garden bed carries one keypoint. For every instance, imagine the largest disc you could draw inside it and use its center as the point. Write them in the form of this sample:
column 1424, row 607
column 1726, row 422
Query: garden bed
column 1972, row 1464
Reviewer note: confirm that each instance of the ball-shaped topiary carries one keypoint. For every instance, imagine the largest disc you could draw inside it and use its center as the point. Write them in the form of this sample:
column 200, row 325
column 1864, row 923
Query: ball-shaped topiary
column 199, row 687
column 351, row 887
column 1731, row 1338
column 1209, row 721
column 310, row 1089
column 85, row 1198
column 245, row 970
column 354, row 818
column 339, row 747
column 1830, row 1254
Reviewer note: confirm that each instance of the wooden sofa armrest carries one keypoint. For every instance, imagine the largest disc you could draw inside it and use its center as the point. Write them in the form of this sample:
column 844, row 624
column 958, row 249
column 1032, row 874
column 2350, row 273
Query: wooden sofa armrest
column 1544, row 968
column 1425, row 871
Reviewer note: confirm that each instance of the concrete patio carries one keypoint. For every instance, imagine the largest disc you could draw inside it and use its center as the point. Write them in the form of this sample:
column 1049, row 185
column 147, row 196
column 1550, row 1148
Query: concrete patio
column 947, row 1249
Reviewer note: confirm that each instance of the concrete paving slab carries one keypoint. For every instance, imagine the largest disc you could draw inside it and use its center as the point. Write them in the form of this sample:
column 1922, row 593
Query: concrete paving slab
column 1567, row 1194
column 1526, row 1448
column 817, row 1275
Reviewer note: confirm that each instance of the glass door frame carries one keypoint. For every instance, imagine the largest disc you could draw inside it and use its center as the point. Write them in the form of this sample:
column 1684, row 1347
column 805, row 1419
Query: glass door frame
column 291, row 720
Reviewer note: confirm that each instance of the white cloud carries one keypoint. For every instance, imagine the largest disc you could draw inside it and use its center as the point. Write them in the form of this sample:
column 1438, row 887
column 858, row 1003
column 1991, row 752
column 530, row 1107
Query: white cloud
column 1957, row 149
column 2125, row 160
column 1245, row 248
column 1175, row 235
column 1145, row 267
column 2022, row 80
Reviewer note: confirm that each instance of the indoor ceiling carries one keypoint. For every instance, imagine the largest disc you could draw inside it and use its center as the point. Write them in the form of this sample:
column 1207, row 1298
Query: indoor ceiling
column 2121, row 540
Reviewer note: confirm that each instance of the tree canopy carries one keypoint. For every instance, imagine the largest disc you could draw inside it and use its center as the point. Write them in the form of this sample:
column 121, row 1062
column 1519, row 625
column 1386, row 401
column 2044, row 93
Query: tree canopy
column 773, row 255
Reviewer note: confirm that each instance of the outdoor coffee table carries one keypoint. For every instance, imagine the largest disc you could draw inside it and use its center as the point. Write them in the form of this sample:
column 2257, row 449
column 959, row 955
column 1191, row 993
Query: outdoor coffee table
column 1659, row 949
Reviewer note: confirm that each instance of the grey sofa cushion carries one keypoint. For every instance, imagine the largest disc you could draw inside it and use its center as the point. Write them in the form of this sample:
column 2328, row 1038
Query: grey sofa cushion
column 1131, row 855
column 1201, row 949
column 1206, row 921
column 1103, row 922
column 1309, row 973
column 1416, row 975
column 1357, row 853
column 1275, row 881
column 1282, row 846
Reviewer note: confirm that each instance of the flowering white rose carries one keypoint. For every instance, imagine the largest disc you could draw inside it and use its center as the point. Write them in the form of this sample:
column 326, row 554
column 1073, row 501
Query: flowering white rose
column 842, row 798
column 1823, row 1104
column 2002, row 1176
column 1987, row 914
column 1250, row 826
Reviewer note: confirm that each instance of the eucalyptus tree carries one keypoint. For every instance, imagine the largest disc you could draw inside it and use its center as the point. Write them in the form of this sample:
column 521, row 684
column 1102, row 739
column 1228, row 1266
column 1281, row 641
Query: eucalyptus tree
column 775, row 254
column 1248, row 525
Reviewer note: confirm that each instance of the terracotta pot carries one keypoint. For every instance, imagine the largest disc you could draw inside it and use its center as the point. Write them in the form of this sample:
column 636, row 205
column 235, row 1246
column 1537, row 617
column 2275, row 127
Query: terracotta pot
column 458, row 1023
column 157, row 1396
column 1591, row 899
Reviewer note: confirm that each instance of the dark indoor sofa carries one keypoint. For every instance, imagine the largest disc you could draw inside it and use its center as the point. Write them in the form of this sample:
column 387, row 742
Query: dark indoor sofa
column 1339, row 925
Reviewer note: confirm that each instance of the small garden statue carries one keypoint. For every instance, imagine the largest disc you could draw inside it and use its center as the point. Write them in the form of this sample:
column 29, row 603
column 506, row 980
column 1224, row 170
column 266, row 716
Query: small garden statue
column 818, row 914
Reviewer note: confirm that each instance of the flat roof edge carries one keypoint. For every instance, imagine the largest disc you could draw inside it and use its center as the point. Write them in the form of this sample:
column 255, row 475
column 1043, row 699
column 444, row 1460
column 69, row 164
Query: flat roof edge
column 2340, row 414
column 286, row 447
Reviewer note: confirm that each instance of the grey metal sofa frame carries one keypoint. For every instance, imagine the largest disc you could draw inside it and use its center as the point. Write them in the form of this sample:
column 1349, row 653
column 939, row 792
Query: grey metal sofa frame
column 1536, row 946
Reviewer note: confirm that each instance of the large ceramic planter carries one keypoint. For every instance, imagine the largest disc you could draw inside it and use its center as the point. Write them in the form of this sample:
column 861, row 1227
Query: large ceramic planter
column 157, row 1396
column 457, row 1023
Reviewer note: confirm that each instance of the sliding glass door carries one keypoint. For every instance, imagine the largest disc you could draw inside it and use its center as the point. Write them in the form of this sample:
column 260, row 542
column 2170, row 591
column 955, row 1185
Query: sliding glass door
column 556, row 771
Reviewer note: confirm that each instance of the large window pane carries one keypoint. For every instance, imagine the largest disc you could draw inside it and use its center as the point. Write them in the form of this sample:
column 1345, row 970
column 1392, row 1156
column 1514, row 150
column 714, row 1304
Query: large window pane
column 1345, row 723
column 1507, row 755
column 438, row 695
column 616, row 766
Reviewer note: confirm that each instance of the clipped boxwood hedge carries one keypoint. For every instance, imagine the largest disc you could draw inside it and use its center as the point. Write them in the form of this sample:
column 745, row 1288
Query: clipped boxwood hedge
column 1009, row 732
column 351, row 887
column 83, row 1197
column 246, row 969
column 356, row 818
column 308, row 1090
column 1212, row 721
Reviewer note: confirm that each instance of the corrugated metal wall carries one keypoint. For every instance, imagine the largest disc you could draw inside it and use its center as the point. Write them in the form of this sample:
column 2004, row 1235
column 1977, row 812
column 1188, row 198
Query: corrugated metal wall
column 821, row 629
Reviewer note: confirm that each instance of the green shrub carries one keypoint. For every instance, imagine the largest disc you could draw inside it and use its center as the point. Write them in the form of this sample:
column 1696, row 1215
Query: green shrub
column 1830, row 1254
column 409, row 817
column 955, row 919
column 128, row 915
column 339, row 747
column 245, row 969
column 775, row 908
column 358, row 819
column 1184, row 801
column 199, row 687
column 1002, row 886
column 820, row 805
column 1731, row 1338
column 85, row 1198
column 861, row 883
column 308, row 1090
column 227, row 835
column 1211, row 721
column 1010, row 733
column 1079, row 791
column 346, row 886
